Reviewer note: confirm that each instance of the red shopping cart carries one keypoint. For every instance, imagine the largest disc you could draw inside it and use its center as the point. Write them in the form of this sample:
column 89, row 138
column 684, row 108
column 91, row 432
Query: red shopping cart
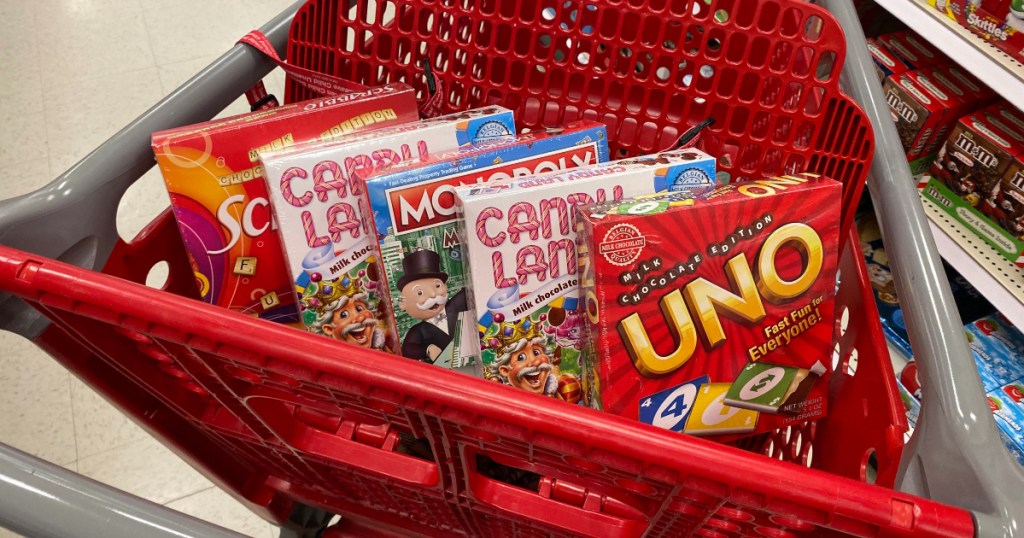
column 289, row 419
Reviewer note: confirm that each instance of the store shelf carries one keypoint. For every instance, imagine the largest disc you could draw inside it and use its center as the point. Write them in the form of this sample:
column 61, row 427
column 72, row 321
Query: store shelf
column 995, row 277
column 1001, row 72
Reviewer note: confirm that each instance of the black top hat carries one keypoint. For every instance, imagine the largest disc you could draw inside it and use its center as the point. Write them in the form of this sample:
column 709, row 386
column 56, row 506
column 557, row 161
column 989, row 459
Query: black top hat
column 421, row 264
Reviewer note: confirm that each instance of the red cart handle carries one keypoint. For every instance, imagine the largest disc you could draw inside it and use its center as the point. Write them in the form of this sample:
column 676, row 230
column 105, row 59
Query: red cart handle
column 563, row 505
column 326, row 85
column 360, row 446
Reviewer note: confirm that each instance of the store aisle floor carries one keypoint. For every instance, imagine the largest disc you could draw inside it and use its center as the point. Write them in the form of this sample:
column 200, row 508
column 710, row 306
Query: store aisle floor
column 73, row 72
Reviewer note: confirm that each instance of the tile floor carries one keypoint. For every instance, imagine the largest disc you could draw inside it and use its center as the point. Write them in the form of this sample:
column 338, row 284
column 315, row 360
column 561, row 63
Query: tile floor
column 73, row 72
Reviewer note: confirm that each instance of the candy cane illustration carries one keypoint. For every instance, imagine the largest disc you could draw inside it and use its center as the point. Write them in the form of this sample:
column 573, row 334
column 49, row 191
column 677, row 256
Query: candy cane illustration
column 559, row 205
column 568, row 248
column 286, row 187
column 336, row 183
column 360, row 166
column 499, row 272
column 481, row 227
column 350, row 223
column 311, row 238
column 528, row 225
column 524, row 269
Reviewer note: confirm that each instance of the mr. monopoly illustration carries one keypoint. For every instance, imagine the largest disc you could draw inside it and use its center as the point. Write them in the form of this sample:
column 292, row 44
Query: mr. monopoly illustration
column 343, row 312
column 424, row 297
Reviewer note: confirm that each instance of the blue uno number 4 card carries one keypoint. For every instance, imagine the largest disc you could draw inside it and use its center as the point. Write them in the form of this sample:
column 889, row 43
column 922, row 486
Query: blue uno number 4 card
column 670, row 408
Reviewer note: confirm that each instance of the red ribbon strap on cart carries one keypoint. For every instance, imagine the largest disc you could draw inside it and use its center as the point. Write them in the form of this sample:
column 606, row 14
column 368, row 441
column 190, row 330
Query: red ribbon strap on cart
column 322, row 83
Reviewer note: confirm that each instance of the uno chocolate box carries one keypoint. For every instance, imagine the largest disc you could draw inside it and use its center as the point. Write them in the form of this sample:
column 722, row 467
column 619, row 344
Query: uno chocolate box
column 316, row 192
column 519, row 243
column 219, row 198
column 413, row 212
column 724, row 329
column 886, row 63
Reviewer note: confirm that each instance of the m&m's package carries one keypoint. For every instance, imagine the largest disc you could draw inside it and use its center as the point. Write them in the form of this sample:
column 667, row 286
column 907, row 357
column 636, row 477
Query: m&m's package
column 317, row 194
column 219, row 199
column 710, row 311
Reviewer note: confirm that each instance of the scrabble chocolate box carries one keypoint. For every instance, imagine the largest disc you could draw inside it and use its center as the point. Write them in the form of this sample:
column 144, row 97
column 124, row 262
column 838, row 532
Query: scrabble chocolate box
column 710, row 311
column 220, row 200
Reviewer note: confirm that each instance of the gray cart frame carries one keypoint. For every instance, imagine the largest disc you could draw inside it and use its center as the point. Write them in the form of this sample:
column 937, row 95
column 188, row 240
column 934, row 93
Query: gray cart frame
column 954, row 457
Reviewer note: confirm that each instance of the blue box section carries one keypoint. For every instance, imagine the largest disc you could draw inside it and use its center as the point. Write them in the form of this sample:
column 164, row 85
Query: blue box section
column 698, row 173
column 970, row 303
column 455, row 168
column 998, row 348
column 1009, row 417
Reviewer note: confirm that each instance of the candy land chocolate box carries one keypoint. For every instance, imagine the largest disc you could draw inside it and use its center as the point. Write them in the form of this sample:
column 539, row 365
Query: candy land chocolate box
column 220, row 200
column 413, row 212
column 711, row 312
column 316, row 192
column 519, row 243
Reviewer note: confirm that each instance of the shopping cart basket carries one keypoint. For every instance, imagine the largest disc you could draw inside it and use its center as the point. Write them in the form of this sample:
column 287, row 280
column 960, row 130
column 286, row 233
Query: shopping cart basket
column 290, row 420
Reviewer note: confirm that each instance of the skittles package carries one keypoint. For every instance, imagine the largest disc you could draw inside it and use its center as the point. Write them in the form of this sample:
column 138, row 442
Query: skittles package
column 710, row 311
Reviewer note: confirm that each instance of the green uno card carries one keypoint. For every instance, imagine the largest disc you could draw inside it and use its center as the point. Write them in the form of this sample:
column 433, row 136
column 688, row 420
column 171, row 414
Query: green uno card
column 764, row 387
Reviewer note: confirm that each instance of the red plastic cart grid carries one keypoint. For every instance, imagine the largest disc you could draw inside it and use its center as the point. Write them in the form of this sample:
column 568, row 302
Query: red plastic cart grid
column 289, row 419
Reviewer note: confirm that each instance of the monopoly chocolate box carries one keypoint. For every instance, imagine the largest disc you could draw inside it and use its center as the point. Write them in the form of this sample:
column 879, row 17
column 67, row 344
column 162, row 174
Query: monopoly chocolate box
column 413, row 212
column 220, row 200
column 710, row 311
column 317, row 195
column 519, row 242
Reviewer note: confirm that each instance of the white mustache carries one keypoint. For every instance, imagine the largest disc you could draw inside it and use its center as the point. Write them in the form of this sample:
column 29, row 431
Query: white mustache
column 358, row 325
column 546, row 367
column 437, row 300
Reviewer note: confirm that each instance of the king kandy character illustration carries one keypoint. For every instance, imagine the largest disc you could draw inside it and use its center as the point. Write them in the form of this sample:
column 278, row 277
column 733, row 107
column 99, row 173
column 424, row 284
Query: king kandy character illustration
column 343, row 312
column 523, row 357
column 425, row 297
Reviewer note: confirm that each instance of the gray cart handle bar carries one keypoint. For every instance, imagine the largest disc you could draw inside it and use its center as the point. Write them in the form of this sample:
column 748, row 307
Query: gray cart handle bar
column 73, row 218
column 955, row 455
